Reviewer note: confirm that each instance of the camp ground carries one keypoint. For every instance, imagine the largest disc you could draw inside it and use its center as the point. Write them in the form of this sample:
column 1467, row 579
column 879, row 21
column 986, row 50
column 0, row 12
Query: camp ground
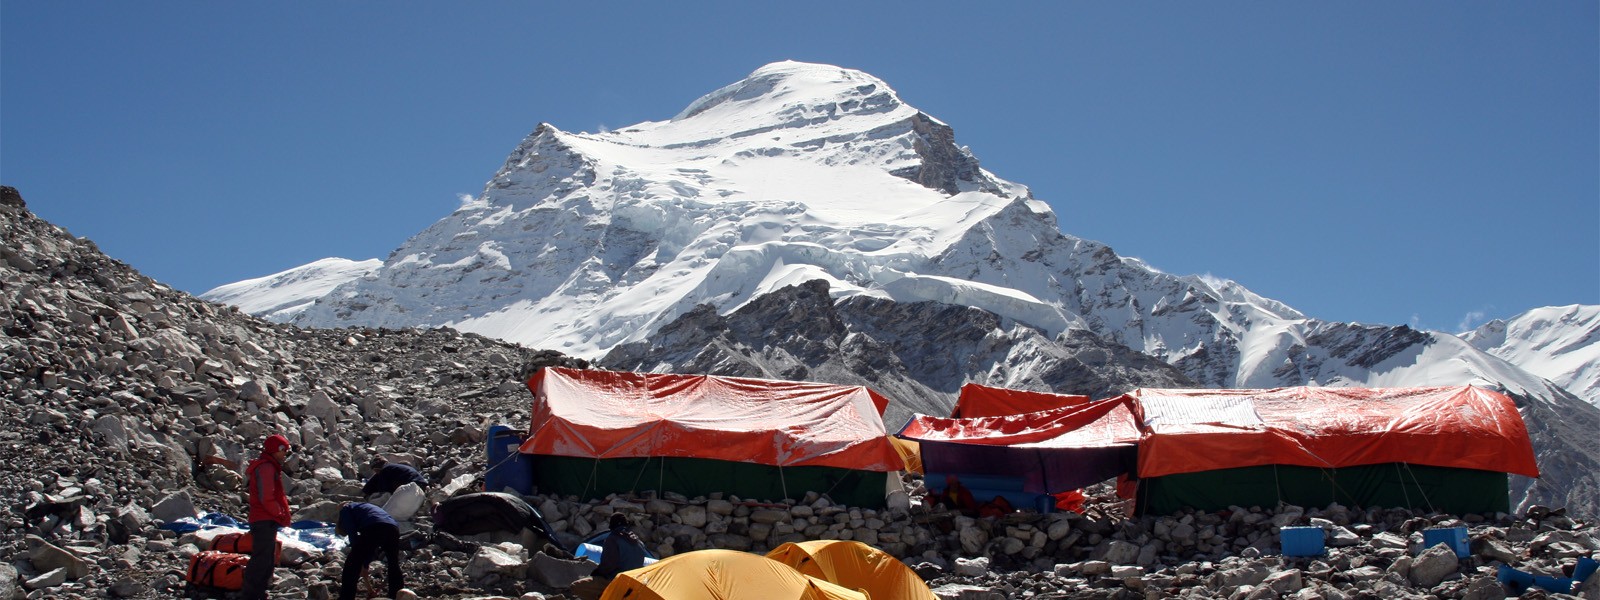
column 1450, row 449
column 595, row 433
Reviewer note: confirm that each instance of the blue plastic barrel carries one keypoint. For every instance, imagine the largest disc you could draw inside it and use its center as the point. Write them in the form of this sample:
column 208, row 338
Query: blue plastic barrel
column 508, row 467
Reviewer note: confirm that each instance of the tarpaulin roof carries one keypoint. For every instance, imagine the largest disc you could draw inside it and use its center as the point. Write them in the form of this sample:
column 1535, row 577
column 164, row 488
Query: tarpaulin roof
column 1052, row 450
column 1202, row 430
column 984, row 401
column 610, row 414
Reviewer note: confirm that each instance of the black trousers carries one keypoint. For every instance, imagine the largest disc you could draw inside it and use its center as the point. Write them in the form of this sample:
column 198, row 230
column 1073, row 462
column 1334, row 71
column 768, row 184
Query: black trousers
column 364, row 548
column 258, row 572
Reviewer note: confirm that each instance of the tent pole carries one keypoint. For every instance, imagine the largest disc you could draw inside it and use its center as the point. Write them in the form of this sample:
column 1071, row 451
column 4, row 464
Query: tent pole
column 783, row 481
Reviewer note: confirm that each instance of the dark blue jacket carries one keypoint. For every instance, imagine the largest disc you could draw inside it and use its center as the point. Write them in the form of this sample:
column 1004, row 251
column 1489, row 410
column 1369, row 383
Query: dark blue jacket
column 622, row 551
column 356, row 516
column 391, row 477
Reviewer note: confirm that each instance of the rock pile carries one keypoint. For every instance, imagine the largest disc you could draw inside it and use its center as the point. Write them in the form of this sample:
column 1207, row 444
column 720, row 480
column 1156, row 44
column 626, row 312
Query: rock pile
column 125, row 404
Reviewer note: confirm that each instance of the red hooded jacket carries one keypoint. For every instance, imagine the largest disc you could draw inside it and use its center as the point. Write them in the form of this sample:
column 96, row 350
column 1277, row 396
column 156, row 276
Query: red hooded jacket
column 268, row 501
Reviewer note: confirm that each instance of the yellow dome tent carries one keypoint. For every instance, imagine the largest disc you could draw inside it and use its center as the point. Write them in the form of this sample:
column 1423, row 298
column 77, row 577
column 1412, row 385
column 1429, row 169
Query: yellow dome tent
column 856, row 566
column 722, row 575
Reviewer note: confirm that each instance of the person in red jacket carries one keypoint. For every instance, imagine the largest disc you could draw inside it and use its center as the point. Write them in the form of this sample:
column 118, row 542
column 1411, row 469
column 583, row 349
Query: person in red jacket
column 269, row 510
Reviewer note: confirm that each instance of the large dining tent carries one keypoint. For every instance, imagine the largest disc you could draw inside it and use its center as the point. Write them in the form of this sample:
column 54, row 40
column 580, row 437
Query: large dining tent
column 1443, row 448
column 594, row 432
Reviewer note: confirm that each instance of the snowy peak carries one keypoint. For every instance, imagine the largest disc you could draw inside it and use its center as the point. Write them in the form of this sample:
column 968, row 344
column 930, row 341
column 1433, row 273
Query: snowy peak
column 1559, row 343
column 788, row 89
column 281, row 296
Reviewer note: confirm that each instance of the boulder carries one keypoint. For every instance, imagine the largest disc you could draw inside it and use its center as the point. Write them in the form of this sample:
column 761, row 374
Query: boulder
column 46, row 557
column 496, row 560
column 1433, row 565
column 558, row 572
column 178, row 505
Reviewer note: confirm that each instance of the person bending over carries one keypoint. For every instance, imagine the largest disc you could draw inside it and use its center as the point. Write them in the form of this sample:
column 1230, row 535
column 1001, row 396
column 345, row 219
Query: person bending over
column 622, row 551
column 371, row 530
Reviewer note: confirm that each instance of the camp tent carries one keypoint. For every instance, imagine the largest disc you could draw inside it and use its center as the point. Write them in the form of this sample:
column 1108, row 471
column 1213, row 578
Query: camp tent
column 1445, row 448
column 724, row 575
column 601, row 432
column 855, row 566
column 1043, row 452
column 984, row 401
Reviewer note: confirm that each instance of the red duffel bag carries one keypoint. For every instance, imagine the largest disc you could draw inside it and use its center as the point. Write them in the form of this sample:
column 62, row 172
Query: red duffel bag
column 241, row 543
column 220, row 570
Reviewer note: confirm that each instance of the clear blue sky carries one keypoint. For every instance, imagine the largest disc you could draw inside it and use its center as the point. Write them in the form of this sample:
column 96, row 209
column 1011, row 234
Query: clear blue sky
column 1424, row 163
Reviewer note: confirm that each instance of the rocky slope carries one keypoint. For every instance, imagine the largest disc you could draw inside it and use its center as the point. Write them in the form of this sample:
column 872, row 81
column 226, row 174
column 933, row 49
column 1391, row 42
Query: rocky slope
column 121, row 396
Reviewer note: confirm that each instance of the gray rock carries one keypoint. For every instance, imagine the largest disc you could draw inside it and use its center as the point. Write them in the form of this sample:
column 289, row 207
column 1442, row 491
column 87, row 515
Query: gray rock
column 967, row 592
column 971, row 567
column 46, row 557
column 556, row 572
column 1433, row 565
column 8, row 581
column 177, row 505
column 496, row 560
column 46, row 580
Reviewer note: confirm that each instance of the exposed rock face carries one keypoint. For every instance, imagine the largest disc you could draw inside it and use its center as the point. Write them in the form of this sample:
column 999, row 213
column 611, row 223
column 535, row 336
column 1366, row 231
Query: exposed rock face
column 918, row 354
column 945, row 166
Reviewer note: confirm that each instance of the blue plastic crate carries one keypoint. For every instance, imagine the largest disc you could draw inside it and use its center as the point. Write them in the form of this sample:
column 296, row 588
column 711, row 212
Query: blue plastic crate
column 1454, row 537
column 1302, row 541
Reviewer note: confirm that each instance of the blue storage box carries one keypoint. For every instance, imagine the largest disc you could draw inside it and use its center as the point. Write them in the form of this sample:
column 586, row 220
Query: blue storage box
column 1454, row 537
column 1302, row 541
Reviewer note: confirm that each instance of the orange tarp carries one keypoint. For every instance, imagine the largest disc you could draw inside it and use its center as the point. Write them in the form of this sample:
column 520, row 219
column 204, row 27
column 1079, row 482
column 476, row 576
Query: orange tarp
column 610, row 414
column 855, row 566
column 1202, row 430
column 984, row 401
column 723, row 575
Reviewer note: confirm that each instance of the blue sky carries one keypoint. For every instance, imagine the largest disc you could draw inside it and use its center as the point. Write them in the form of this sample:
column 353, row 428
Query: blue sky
column 1423, row 163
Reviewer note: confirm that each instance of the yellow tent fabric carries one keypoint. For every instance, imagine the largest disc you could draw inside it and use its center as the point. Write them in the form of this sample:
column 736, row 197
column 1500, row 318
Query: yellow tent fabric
column 722, row 575
column 910, row 452
column 856, row 566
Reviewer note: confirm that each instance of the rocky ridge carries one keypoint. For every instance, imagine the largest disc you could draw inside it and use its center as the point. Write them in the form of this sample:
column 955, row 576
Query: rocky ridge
column 123, row 399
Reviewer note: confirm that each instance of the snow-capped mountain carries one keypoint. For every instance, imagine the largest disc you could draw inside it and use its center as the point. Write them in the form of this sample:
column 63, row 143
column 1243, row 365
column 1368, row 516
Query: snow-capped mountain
column 596, row 243
column 1558, row 343
column 283, row 295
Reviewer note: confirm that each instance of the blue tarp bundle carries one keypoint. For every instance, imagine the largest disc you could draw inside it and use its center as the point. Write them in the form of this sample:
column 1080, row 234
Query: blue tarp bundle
column 317, row 534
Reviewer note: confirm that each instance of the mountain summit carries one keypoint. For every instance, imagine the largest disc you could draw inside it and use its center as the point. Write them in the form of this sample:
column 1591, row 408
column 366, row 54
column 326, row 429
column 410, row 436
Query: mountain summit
column 652, row 246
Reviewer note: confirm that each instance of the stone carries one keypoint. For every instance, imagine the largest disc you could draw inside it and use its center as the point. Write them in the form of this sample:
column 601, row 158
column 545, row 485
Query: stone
column 1284, row 582
column 692, row 515
column 967, row 592
column 174, row 506
column 1118, row 552
column 46, row 580
column 8, row 581
column 46, row 556
column 1433, row 565
column 493, row 560
column 558, row 572
column 971, row 567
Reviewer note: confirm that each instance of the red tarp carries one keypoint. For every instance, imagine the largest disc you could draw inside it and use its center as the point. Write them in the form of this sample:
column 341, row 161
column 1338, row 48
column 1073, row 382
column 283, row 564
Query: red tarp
column 1051, row 451
column 984, row 401
column 1092, row 425
column 609, row 414
column 1202, row 430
